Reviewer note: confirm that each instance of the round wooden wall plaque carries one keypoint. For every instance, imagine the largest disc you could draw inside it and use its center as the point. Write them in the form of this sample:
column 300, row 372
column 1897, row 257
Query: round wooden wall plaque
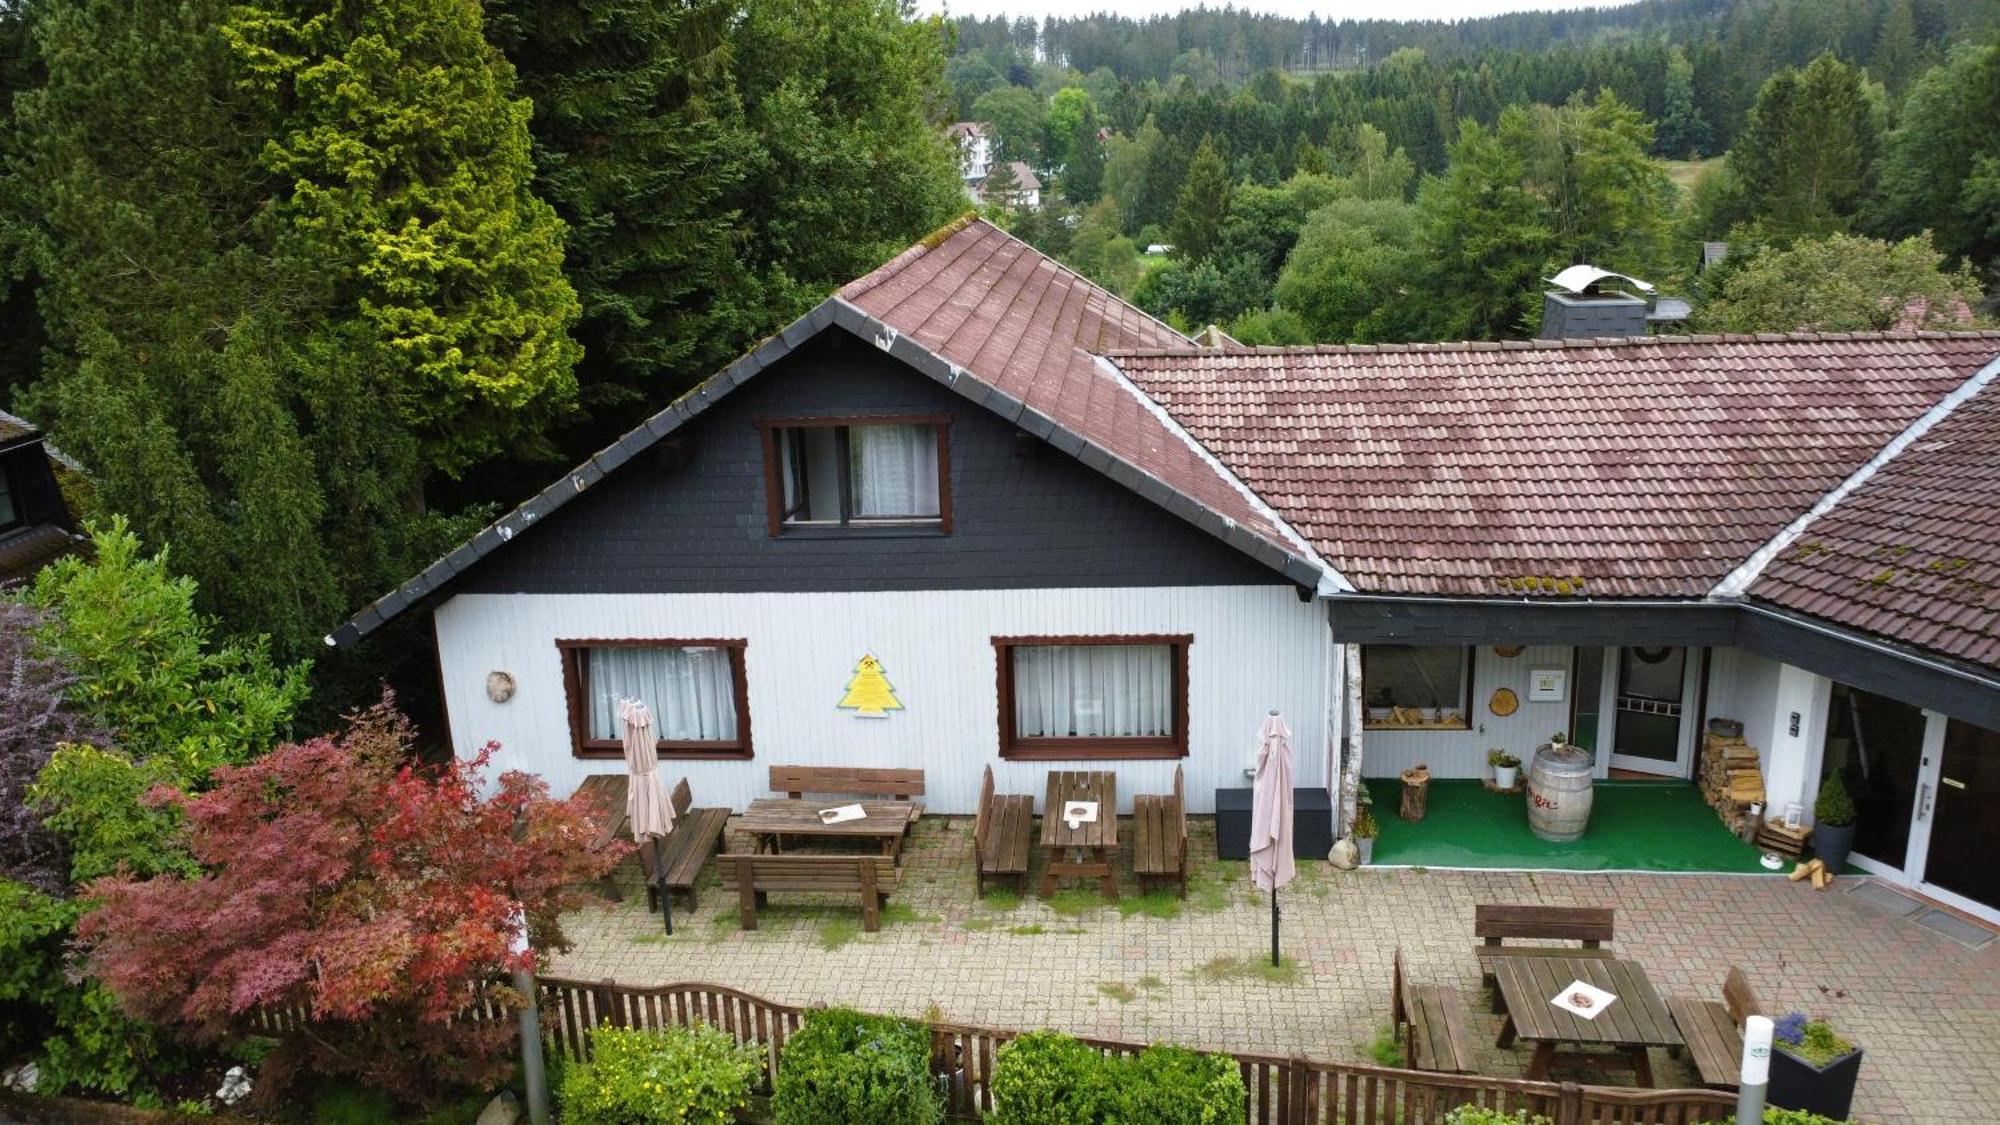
column 1509, row 650
column 1504, row 702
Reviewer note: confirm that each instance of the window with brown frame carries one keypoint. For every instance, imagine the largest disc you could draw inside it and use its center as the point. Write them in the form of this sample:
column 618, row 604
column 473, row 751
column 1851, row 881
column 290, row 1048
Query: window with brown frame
column 1093, row 697
column 695, row 689
column 866, row 472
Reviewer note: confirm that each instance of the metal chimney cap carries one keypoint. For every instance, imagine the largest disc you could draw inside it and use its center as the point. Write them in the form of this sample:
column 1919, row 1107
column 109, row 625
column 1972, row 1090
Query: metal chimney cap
column 1580, row 279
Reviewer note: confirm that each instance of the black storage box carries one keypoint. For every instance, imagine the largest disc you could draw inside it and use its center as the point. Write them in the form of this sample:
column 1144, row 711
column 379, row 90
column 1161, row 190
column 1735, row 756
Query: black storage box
column 1312, row 823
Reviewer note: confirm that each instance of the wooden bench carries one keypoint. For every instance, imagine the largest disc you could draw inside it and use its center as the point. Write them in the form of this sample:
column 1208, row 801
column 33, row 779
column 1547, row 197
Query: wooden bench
column 1000, row 835
column 1433, row 1023
column 1714, row 1032
column 870, row 877
column 1590, row 925
column 685, row 850
column 1159, row 837
column 895, row 785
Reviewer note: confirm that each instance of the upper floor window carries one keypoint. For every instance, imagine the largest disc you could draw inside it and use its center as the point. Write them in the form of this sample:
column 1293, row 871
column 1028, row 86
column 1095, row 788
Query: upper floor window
column 10, row 514
column 1416, row 686
column 892, row 471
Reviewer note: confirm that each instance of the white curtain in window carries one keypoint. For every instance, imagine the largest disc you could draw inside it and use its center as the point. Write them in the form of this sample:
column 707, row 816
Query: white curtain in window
column 1093, row 691
column 691, row 691
column 894, row 470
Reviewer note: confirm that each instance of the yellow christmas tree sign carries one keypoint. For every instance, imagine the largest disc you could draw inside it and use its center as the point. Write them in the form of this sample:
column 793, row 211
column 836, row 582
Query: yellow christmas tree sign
column 869, row 694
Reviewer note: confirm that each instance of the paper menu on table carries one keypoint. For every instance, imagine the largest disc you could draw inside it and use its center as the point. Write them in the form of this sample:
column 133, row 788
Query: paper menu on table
column 1583, row 999
column 842, row 815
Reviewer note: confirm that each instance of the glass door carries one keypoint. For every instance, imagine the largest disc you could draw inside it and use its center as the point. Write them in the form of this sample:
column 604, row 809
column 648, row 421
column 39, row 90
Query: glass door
column 1958, row 820
column 1655, row 696
column 1877, row 745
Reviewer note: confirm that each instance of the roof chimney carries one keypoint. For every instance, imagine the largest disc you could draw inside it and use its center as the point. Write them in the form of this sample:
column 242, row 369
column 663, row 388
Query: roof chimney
column 1580, row 306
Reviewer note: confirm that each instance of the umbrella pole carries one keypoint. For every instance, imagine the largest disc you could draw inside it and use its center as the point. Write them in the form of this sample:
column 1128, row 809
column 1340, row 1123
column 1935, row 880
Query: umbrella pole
column 660, row 881
column 1274, row 927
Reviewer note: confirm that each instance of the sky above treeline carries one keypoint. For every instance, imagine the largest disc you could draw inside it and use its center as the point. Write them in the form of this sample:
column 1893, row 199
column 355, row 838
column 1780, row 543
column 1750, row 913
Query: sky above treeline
column 1325, row 9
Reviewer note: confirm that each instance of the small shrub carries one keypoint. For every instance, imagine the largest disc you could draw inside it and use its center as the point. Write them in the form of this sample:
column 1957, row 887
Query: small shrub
column 680, row 1076
column 1473, row 1115
column 844, row 1066
column 1815, row 1041
column 1175, row 1086
column 1365, row 827
column 1775, row 1116
column 1048, row 1078
column 1385, row 1049
column 1834, row 807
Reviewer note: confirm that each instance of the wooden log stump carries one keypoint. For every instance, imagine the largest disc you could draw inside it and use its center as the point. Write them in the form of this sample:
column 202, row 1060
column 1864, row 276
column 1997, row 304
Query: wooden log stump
column 1416, row 792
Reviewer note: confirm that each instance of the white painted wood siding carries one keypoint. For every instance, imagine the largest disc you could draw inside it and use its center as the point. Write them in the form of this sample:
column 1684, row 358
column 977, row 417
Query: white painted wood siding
column 1255, row 648
column 1462, row 753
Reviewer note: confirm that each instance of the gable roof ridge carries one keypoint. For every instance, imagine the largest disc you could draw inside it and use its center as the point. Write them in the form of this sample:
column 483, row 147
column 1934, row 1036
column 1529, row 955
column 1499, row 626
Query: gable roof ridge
column 911, row 253
column 1885, row 336
column 1738, row 581
column 1332, row 580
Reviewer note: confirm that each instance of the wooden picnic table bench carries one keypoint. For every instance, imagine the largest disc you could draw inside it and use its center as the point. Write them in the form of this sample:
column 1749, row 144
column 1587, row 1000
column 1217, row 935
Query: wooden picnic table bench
column 903, row 785
column 771, row 820
column 1714, row 1031
column 1636, row 1020
column 1492, row 923
column 1000, row 835
column 683, row 851
column 869, row 877
column 1092, row 841
column 1433, row 1022
column 1159, row 837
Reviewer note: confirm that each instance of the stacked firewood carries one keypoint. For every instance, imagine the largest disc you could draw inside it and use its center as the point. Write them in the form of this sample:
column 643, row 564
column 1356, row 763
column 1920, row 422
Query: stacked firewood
column 1731, row 780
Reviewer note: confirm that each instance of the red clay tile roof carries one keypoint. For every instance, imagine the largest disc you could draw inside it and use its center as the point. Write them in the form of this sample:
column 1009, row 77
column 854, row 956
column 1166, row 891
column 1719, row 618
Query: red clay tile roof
column 1913, row 554
column 1633, row 468
column 1023, row 323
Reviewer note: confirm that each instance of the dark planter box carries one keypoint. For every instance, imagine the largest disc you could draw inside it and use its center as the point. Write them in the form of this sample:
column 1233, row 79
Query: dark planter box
column 1798, row 1084
column 1832, row 842
column 1312, row 823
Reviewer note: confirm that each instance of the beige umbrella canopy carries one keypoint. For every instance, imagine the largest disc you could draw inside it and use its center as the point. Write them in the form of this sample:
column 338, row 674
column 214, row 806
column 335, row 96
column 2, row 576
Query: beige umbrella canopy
column 1271, row 864
column 646, row 803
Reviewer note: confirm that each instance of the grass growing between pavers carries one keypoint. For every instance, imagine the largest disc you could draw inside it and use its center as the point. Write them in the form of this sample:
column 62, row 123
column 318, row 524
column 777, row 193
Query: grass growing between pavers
column 1384, row 1049
column 1286, row 971
column 1117, row 990
column 1152, row 904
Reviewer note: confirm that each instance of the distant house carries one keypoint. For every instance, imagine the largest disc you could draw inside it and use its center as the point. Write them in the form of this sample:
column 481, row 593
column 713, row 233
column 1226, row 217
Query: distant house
column 1013, row 185
column 1069, row 537
column 975, row 148
column 35, row 523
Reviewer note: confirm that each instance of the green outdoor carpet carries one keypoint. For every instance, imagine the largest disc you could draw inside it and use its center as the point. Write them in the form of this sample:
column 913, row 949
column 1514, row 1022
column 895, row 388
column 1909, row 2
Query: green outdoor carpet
column 1634, row 826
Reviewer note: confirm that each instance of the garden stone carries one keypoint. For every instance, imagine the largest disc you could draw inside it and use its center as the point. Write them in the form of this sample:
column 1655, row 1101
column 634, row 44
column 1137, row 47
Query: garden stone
column 1344, row 855
column 502, row 1110
column 235, row 1086
column 24, row 1078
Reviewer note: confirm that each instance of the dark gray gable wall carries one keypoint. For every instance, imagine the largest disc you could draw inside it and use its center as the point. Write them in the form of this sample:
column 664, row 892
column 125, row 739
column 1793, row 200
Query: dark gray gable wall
column 1024, row 514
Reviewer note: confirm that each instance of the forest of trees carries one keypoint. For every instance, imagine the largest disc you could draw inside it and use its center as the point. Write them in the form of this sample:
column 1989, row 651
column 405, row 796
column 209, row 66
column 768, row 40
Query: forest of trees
column 1310, row 199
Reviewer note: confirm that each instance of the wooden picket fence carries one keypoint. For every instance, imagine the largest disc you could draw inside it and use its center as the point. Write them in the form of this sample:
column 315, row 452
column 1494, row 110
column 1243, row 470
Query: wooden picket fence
column 1284, row 1090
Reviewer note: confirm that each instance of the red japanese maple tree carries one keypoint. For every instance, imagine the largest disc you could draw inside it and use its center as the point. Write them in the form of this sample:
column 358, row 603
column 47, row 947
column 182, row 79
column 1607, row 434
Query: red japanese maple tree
column 372, row 897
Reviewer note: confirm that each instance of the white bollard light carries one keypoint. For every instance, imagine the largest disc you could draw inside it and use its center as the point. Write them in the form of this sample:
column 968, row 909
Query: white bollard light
column 533, row 1076
column 1756, row 1074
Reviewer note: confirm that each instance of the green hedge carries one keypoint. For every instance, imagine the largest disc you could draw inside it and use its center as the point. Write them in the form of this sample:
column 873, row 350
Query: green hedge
column 843, row 1066
column 1047, row 1078
column 679, row 1076
column 1473, row 1115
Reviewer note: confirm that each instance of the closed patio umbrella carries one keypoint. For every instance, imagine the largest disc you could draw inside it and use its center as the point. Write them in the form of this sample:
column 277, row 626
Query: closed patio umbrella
column 1271, row 863
column 646, row 803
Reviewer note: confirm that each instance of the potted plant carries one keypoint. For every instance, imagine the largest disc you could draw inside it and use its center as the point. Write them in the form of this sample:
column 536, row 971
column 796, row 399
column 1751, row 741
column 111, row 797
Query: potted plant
column 1365, row 831
column 1558, row 740
column 1812, row 1067
column 1833, row 823
column 1506, row 768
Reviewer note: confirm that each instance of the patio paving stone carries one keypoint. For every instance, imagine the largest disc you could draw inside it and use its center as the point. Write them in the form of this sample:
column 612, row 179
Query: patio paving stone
column 1926, row 1008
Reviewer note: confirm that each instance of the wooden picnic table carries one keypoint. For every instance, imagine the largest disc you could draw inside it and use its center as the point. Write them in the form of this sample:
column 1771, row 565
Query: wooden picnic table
column 1086, row 849
column 769, row 820
column 1635, row 1021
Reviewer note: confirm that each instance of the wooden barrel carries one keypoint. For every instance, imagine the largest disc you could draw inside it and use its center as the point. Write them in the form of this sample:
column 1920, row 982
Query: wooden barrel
column 1559, row 792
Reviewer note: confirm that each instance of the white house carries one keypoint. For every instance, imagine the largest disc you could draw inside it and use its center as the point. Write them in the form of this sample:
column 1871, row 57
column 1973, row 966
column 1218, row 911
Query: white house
column 1068, row 534
column 975, row 148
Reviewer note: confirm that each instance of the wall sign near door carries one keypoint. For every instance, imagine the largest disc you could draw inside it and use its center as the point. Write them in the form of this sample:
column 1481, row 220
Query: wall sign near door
column 1547, row 685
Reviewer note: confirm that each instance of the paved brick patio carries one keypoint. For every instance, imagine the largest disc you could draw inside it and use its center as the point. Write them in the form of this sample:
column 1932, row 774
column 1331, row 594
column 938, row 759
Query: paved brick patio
column 1926, row 1008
